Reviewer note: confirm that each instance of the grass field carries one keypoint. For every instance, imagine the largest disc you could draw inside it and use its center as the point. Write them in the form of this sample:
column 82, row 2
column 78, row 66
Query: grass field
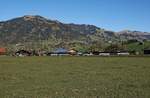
column 75, row 77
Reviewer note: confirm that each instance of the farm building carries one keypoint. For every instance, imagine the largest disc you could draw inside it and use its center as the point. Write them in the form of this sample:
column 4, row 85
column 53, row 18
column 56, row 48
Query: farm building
column 60, row 51
column 72, row 52
column 104, row 54
column 2, row 51
column 22, row 53
column 87, row 54
column 123, row 53
column 95, row 52
column 119, row 53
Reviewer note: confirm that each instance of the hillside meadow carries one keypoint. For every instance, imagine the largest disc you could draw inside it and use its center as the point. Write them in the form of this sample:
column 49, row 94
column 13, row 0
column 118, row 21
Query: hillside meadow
column 74, row 77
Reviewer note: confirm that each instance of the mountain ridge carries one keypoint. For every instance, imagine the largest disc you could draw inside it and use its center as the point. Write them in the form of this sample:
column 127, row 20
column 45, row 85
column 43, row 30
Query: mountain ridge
column 36, row 28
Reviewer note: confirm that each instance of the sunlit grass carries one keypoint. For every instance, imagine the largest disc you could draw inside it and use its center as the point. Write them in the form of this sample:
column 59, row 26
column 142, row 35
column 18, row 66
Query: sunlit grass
column 44, row 77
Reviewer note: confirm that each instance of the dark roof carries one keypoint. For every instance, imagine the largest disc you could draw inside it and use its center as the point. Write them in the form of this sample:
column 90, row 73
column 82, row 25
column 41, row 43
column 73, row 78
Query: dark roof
column 23, row 52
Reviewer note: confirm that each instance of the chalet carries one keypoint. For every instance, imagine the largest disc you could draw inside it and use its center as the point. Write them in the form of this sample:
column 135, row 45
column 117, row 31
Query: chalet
column 60, row 52
column 72, row 52
column 22, row 53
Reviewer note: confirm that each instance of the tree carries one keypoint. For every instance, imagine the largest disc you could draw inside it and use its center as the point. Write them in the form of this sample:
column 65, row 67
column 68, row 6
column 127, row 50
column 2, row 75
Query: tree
column 114, row 48
column 96, row 46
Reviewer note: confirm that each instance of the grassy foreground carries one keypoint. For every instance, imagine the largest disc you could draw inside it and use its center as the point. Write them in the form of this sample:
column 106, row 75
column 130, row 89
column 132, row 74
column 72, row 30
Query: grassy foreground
column 71, row 77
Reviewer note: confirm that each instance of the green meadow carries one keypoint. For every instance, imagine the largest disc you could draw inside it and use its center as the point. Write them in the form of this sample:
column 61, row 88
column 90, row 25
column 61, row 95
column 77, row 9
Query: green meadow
column 74, row 77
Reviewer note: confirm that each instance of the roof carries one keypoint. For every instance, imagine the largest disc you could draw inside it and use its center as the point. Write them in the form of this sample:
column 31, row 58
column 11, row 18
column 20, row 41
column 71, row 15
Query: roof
column 72, row 51
column 60, row 50
column 2, row 50
column 23, row 51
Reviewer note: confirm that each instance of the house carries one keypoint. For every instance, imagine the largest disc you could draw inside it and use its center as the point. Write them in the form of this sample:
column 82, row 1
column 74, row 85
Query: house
column 123, row 53
column 87, row 54
column 104, row 54
column 60, row 51
column 95, row 52
column 72, row 52
column 22, row 53
column 52, row 54
column 79, row 54
column 2, row 51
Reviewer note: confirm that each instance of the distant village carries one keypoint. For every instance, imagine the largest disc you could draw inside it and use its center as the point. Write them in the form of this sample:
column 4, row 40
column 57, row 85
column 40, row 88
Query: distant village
column 69, row 52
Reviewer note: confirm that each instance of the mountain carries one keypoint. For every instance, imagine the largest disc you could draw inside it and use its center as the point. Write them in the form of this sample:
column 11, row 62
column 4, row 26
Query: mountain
column 36, row 29
column 137, row 35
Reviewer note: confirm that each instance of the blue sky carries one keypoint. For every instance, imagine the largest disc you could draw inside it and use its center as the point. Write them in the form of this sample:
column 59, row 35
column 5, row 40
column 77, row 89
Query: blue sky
column 113, row 15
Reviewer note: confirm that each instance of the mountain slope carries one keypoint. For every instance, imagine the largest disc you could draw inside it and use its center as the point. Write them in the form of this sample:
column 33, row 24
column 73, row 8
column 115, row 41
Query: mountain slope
column 36, row 29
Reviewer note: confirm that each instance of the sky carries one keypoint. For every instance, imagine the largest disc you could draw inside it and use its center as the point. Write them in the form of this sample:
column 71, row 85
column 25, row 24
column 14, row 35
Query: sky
column 115, row 15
